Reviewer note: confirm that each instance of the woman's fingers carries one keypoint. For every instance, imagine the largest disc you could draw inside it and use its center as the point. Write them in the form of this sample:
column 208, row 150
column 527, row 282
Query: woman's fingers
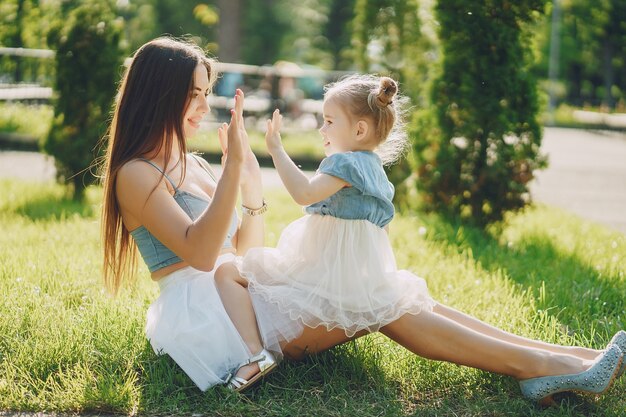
column 222, row 137
column 234, row 145
column 240, row 94
column 239, row 107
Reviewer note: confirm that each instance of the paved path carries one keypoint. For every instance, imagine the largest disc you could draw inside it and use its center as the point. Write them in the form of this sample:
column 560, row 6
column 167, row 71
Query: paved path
column 586, row 176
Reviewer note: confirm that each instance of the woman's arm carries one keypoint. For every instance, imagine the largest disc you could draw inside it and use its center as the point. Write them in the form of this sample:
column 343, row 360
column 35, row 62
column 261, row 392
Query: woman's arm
column 252, row 228
column 145, row 200
column 303, row 190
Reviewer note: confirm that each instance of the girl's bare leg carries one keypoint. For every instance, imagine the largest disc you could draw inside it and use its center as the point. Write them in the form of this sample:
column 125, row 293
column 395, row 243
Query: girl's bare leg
column 236, row 300
column 435, row 336
column 488, row 330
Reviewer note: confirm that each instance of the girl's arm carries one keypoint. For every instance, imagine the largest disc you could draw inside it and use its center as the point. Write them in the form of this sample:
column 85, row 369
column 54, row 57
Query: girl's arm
column 303, row 190
column 144, row 197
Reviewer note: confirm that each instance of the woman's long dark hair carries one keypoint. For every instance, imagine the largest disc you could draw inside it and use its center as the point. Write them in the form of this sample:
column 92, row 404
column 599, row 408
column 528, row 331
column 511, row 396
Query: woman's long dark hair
column 151, row 102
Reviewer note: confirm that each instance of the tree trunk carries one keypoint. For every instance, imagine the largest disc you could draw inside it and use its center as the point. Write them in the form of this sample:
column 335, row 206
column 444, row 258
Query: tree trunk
column 229, row 30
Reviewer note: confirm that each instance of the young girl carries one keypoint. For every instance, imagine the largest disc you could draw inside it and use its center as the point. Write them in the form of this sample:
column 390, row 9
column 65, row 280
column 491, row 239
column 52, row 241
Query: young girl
column 334, row 270
column 335, row 266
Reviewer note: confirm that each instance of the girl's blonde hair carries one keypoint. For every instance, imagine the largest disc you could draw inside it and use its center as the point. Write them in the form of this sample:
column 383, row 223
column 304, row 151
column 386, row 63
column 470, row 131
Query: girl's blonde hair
column 377, row 99
column 152, row 99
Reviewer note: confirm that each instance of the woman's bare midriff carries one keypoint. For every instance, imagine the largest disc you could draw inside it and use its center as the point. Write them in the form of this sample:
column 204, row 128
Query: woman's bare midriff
column 157, row 275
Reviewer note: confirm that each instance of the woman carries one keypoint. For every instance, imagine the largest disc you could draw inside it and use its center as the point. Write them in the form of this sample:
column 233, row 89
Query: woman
column 168, row 204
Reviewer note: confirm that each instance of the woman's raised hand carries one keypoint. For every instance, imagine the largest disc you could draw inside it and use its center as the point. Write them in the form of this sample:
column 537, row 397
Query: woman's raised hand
column 232, row 135
column 272, row 135
column 251, row 171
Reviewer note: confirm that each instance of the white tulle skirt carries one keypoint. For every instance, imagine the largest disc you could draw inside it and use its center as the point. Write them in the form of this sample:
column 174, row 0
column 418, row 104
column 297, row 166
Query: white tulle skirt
column 336, row 273
column 188, row 322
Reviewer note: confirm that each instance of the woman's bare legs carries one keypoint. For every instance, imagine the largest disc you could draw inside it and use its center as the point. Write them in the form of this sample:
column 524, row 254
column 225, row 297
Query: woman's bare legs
column 315, row 340
column 434, row 336
column 444, row 334
column 488, row 330
column 236, row 300
column 437, row 337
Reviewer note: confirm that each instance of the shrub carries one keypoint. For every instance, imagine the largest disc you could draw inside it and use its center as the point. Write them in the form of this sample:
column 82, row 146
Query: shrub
column 88, row 62
column 478, row 145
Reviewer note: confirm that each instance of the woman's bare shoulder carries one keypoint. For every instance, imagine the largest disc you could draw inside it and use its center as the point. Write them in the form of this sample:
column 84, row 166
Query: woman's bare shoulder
column 138, row 179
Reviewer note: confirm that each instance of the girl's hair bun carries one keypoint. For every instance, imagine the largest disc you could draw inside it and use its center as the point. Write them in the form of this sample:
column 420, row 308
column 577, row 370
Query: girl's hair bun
column 387, row 91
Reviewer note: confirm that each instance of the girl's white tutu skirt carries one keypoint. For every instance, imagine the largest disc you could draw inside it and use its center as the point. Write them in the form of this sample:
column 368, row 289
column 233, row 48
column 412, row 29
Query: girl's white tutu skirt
column 336, row 273
column 189, row 323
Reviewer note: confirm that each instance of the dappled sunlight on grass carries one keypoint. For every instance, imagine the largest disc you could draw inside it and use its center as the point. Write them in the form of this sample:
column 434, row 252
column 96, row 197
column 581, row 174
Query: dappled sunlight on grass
column 573, row 270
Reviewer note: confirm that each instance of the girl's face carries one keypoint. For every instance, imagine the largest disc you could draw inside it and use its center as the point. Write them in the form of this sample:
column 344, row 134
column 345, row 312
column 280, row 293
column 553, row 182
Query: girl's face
column 339, row 132
column 197, row 107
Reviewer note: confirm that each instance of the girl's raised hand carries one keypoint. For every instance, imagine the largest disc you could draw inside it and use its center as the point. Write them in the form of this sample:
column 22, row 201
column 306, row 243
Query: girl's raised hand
column 272, row 135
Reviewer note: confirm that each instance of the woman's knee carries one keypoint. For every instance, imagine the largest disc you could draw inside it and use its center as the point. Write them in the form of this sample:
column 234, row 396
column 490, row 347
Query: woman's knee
column 409, row 324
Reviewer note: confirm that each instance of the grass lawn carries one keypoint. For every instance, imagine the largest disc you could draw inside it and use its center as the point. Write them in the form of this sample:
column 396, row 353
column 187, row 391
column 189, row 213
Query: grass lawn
column 307, row 144
column 67, row 346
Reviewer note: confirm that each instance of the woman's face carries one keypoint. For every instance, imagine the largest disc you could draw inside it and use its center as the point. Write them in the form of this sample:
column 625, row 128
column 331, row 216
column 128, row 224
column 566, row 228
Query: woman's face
column 198, row 106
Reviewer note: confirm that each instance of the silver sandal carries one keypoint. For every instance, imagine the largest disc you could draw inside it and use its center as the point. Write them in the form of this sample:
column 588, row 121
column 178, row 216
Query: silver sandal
column 266, row 362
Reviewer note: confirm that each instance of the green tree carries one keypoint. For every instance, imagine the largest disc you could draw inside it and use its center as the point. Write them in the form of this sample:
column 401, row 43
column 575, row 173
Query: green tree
column 88, row 62
column 140, row 22
column 263, row 30
column 478, row 147
column 25, row 24
column 592, row 63
column 176, row 18
column 337, row 32
column 387, row 39
column 594, row 37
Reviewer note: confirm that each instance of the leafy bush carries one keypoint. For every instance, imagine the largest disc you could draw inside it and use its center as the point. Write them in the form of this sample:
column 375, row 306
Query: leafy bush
column 88, row 62
column 478, row 146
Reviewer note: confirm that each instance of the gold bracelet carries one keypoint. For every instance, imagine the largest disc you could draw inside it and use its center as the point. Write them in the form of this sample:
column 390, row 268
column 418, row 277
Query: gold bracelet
column 254, row 212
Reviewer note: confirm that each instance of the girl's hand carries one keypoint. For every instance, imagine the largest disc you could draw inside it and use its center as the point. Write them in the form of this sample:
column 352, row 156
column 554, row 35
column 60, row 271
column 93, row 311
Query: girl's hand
column 272, row 136
column 232, row 136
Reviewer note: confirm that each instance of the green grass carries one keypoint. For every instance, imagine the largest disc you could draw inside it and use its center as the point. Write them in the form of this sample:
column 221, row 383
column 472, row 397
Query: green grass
column 307, row 144
column 67, row 346
column 30, row 120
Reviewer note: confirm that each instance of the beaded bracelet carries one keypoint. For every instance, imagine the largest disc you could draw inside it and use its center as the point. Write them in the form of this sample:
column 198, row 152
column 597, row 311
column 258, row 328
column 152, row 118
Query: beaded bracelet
column 254, row 212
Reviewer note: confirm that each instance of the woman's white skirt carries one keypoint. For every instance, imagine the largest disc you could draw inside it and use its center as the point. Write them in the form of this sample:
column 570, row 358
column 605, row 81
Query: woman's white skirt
column 189, row 323
column 336, row 273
